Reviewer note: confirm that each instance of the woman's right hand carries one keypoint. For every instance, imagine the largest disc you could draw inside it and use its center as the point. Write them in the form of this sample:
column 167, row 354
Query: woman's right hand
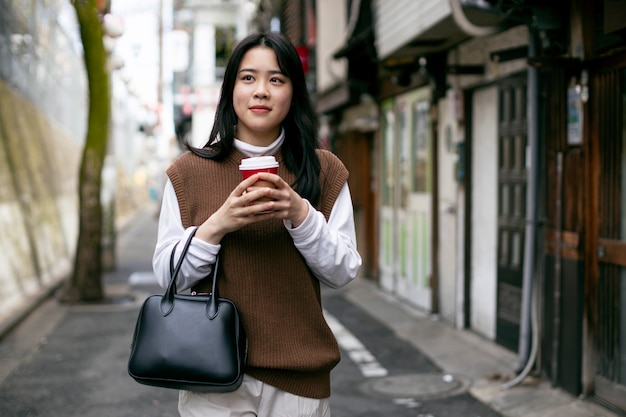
column 239, row 209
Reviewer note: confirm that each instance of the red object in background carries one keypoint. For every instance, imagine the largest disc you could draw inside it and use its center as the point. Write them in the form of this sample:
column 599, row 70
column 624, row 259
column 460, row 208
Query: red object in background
column 103, row 6
column 303, row 53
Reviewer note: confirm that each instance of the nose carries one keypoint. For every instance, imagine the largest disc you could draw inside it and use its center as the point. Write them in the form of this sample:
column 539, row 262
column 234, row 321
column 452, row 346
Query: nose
column 261, row 90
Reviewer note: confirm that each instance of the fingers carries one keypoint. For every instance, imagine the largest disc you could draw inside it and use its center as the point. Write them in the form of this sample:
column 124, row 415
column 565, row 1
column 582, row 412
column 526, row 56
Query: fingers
column 259, row 195
column 245, row 205
column 236, row 212
column 241, row 188
column 271, row 178
column 249, row 200
column 287, row 203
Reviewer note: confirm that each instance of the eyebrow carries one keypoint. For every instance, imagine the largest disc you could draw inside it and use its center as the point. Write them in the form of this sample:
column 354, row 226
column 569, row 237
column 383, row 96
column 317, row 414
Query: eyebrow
column 273, row 72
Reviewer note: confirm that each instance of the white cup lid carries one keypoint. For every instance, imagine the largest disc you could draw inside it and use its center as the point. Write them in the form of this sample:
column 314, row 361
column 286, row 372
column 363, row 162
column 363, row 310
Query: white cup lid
column 258, row 162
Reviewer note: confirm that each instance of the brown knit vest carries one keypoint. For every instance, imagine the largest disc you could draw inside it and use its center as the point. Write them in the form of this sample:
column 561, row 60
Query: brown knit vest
column 290, row 345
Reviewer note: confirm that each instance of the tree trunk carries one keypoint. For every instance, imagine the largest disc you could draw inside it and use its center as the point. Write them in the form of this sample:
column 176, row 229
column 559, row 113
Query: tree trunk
column 85, row 284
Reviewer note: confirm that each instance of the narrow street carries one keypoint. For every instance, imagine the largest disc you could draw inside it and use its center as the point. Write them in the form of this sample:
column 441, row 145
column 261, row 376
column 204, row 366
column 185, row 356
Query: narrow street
column 485, row 147
column 71, row 360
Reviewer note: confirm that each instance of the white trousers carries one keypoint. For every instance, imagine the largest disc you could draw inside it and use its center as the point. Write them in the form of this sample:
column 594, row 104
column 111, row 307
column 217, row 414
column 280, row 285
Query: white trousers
column 252, row 399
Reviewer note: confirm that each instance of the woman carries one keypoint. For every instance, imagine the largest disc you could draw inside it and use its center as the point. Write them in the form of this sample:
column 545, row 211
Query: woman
column 273, row 254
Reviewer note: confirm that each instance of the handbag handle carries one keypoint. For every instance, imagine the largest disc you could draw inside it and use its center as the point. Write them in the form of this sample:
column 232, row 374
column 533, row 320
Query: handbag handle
column 167, row 302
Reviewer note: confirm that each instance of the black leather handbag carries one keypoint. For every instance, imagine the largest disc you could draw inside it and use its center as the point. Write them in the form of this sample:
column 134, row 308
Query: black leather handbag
column 189, row 342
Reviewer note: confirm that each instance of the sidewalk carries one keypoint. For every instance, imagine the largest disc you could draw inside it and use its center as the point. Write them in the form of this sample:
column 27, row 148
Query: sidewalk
column 71, row 360
column 464, row 353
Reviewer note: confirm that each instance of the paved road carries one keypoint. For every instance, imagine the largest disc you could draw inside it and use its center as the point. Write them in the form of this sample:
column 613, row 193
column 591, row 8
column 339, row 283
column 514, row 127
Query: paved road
column 411, row 385
column 71, row 360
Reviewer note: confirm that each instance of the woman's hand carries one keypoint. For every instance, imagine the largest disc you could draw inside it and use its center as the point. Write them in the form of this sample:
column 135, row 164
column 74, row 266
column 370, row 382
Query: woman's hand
column 242, row 208
column 285, row 204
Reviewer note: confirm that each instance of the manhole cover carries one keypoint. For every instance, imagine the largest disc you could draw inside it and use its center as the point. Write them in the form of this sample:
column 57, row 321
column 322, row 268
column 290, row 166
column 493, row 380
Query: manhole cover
column 418, row 386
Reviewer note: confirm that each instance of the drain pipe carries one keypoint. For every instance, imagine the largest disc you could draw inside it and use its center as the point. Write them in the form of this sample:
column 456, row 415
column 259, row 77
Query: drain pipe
column 535, row 344
column 529, row 294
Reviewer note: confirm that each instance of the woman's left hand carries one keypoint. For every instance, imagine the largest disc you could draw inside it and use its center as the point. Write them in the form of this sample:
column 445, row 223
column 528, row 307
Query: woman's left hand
column 287, row 204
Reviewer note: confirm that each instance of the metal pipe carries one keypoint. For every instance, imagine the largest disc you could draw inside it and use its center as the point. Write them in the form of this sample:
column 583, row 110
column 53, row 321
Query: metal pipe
column 531, row 200
column 535, row 344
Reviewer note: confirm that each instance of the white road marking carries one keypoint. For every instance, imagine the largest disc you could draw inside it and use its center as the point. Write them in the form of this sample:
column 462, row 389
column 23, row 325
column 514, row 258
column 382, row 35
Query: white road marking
column 363, row 358
column 407, row 402
column 142, row 278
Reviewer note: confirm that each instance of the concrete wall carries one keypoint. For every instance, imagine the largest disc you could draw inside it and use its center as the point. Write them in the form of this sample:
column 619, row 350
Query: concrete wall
column 38, row 204
column 449, row 220
column 42, row 117
column 484, row 241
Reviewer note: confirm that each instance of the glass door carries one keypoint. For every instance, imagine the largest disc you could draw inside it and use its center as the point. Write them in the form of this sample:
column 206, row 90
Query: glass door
column 388, row 250
column 406, row 198
column 512, row 181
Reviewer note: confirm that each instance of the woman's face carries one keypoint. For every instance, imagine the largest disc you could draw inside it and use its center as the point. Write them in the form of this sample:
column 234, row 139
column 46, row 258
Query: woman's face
column 261, row 97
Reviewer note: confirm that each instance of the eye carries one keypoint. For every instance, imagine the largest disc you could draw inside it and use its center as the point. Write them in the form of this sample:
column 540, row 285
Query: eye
column 276, row 80
column 247, row 77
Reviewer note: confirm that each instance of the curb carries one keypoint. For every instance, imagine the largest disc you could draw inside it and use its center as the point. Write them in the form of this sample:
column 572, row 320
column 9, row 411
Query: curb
column 28, row 306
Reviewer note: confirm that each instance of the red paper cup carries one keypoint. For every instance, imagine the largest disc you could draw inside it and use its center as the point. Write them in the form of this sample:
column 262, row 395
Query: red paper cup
column 247, row 173
column 251, row 166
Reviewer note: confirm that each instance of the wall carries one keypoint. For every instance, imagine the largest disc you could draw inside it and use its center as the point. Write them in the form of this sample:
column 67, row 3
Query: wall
column 477, row 52
column 331, row 17
column 449, row 220
column 484, row 202
column 38, row 205
column 42, row 117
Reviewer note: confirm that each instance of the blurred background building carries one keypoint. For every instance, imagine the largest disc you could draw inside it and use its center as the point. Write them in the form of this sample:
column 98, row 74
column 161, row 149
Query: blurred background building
column 203, row 36
column 485, row 141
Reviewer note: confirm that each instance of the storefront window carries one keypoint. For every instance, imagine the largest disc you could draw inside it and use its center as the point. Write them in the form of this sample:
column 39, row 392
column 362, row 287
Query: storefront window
column 421, row 181
column 388, row 166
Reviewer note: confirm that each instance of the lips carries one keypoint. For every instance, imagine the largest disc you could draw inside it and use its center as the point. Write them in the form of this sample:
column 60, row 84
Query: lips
column 260, row 109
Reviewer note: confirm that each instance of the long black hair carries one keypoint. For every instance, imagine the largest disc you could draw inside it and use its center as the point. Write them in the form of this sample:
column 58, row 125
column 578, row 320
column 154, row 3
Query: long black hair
column 300, row 124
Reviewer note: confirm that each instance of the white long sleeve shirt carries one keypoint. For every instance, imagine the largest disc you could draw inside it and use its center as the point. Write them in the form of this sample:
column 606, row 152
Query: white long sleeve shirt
column 329, row 248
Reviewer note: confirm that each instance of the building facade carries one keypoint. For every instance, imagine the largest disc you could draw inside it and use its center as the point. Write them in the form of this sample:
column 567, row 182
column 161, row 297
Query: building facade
column 202, row 36
column 497, row 168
